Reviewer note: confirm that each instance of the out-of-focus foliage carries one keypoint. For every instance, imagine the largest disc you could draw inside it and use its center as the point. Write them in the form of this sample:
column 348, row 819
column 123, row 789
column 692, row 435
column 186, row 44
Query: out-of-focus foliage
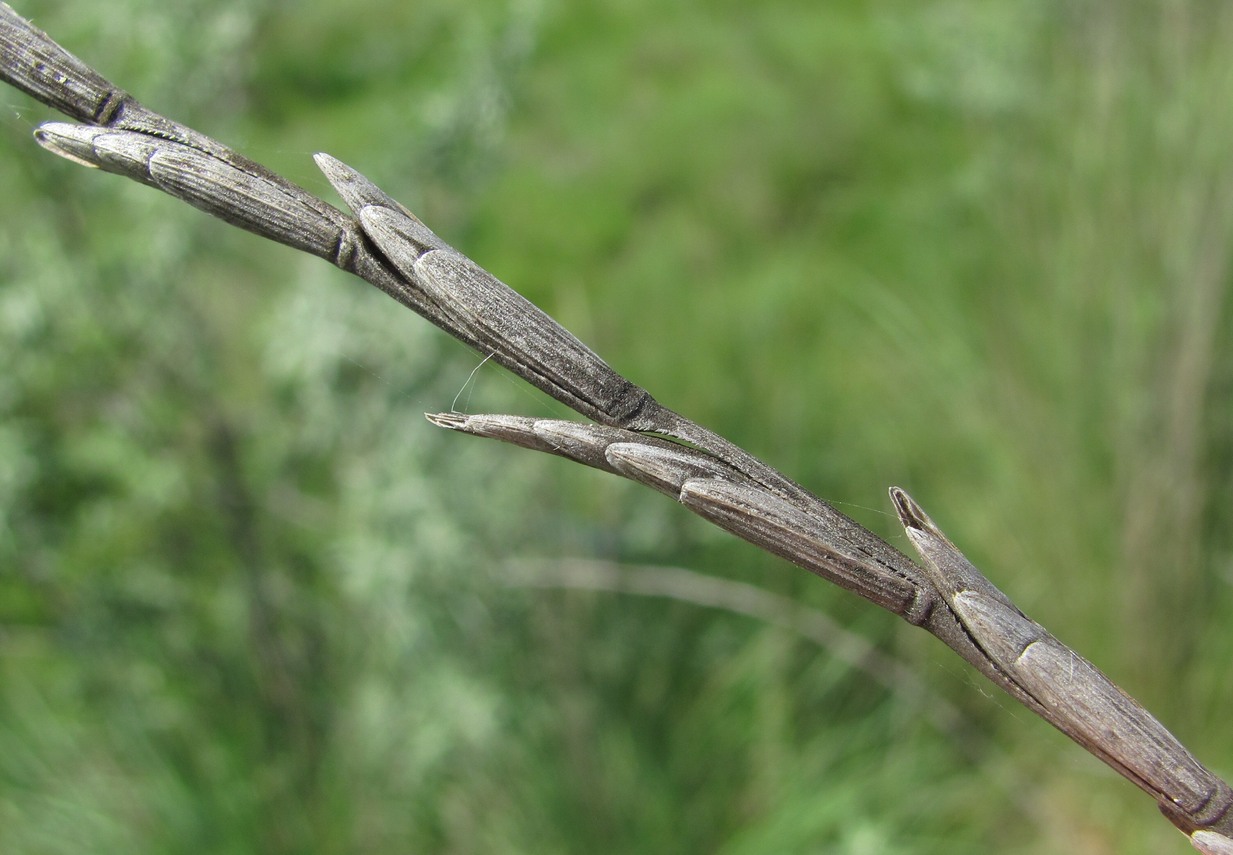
column 251, row 602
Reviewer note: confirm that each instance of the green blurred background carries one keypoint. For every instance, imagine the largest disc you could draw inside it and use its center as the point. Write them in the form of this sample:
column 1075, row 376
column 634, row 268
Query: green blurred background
column 250, row 601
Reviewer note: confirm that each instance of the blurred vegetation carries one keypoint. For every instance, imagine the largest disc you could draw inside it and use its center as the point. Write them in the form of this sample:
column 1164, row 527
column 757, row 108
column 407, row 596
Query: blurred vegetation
column 251, row 602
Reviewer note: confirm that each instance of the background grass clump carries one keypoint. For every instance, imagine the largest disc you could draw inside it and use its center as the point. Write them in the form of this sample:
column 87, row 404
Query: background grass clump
column 251, row 601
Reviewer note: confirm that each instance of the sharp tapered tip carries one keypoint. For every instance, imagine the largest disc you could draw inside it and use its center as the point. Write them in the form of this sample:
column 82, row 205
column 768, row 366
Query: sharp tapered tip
column 517, row 430
column 334, row 169
column 356, row 190
column 911, row 515
column 72, row 142
column 343, row 178
column 450, row 421
column 915, row 521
